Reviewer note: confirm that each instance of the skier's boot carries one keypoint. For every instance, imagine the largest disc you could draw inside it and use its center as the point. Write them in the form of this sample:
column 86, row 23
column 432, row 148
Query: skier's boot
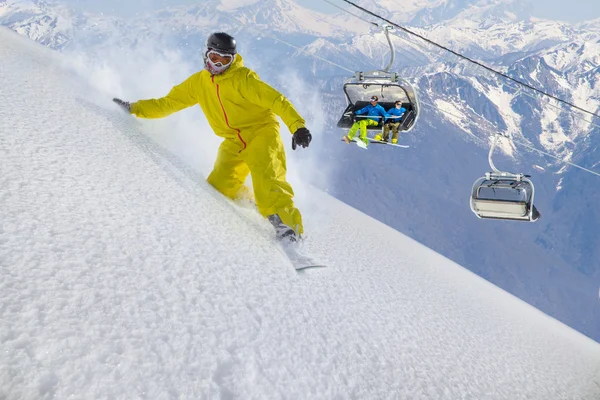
column 282, row 231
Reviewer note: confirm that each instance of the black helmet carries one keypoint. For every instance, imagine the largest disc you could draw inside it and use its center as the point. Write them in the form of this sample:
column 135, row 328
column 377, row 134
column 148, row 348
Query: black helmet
column 222, row 42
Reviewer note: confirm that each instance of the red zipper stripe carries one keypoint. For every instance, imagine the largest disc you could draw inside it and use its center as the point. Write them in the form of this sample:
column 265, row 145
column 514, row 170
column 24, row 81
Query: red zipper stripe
column 225, row 115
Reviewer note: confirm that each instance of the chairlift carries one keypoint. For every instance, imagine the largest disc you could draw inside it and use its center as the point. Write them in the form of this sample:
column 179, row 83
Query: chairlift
column 387, row 86
column 503, row 195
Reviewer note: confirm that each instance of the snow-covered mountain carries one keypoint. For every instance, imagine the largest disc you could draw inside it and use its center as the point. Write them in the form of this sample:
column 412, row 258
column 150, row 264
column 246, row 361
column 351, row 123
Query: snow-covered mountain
column 50, row 26
column 125, row 275
column 427, row 12
column 422, row 192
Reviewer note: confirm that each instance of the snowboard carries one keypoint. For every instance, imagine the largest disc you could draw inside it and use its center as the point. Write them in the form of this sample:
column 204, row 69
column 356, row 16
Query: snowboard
column 291, row 251
column 298, row 260
column 360, row 143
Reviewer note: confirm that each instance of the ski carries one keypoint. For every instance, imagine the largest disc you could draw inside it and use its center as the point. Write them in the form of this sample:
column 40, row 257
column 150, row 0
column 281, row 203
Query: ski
column 360, row 143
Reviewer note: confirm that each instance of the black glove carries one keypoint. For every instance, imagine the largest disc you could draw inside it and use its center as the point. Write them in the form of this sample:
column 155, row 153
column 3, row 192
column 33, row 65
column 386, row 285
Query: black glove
column 124, row 104
column 302, row 137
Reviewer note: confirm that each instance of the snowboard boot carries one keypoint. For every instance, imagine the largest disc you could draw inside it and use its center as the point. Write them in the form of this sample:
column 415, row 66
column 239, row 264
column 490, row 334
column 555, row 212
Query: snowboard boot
column 378, row 137
column 282, row 231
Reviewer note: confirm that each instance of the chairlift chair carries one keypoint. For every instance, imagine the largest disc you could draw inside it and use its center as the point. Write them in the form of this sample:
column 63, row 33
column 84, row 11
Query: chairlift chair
column 503, row 195
column 387, row 86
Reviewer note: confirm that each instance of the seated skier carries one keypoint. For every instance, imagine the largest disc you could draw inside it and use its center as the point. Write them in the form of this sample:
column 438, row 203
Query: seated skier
column 374, row 113
column 393, row 121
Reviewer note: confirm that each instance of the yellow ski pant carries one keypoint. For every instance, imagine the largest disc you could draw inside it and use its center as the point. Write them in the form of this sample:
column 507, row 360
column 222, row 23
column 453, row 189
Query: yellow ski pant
column 362, row 125
column 262, row 156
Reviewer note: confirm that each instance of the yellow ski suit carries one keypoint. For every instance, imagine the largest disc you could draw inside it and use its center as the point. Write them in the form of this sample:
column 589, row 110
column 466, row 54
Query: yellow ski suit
column 242, row 109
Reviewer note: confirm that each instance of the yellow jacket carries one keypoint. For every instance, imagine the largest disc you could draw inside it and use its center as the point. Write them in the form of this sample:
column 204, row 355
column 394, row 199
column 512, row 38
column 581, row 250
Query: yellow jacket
column 235, row 103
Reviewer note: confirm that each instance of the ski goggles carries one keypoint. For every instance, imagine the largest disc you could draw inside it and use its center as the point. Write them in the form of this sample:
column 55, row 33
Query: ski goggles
column 374, row 98
column 219, row 58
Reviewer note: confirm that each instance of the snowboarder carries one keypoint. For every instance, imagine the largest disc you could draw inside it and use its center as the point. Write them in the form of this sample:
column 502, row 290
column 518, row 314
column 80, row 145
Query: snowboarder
column 243, row 110
column 374, row 112
column 392, row 122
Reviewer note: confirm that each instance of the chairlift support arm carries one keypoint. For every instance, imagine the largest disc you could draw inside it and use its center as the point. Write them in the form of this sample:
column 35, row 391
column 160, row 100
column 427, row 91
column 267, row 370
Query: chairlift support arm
column 497, row 174
column 386, row 30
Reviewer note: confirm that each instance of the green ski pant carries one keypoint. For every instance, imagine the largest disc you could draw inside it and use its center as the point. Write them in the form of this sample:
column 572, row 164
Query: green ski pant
column 362, row 125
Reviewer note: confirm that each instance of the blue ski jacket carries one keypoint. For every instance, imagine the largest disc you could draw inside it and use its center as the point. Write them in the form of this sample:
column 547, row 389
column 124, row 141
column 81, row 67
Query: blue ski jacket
column 373, row 111
column 395, row 114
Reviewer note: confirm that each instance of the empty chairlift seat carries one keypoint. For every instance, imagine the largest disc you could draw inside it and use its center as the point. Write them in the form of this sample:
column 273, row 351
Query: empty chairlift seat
column 503, row 198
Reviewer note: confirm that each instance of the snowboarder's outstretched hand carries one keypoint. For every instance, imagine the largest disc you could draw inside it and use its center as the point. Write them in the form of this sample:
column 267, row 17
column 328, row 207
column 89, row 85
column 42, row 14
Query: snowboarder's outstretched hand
column 124, row 104
column 302, row 137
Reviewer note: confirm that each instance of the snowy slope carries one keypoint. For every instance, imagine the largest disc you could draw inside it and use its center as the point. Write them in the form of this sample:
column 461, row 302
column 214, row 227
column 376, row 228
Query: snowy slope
column 552, row 264
column 124, row 275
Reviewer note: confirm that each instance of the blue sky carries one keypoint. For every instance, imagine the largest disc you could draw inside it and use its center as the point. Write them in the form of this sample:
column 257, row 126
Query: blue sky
column 578, row 10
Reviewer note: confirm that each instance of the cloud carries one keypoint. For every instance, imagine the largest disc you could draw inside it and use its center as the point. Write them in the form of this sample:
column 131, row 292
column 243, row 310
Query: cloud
column 148, row 72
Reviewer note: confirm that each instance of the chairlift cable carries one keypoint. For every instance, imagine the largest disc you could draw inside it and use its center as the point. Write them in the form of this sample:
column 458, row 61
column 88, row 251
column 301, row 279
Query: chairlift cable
column 581, row 117
column 471, row 60
column 428, row 104
column 524, row 144
column 351, row 13
column 556, row 158
column 262, row 33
